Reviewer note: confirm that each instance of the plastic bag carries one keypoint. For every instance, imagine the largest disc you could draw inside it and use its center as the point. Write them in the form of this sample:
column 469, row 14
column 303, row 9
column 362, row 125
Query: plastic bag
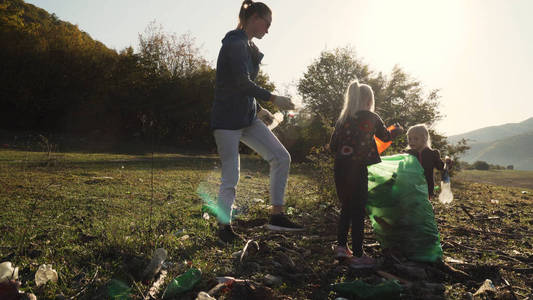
column 44, row 274
column 446, row 195
column 278, row 118
column 401, row 214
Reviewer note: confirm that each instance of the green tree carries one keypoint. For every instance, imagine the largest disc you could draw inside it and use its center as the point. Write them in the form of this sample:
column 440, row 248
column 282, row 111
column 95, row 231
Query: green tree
column 323, row 85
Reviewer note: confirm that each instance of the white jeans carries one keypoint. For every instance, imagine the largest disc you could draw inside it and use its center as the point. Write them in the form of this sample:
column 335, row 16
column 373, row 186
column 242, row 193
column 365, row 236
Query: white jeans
column 258, row 137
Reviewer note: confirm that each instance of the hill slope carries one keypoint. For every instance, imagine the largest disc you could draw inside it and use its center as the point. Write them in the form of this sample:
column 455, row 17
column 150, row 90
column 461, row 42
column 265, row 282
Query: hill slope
column 493, row 133
column 508, row 144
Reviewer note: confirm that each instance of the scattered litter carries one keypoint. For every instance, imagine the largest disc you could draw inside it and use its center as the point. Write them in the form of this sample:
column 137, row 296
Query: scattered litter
column 248, row 177
column 205, row 216
column 44, row 274
column 184, row 238
column 183, row 283
column 156, row 286
column 155, row 264
column 8, row 272
column 453, row 260
column 204, row 296
column 524, row 192
column 486, row 287
column 258, row 200
column 494, row 201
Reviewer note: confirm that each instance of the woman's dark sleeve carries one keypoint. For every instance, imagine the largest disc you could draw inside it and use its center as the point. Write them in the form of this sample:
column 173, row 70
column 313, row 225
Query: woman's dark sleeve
column 381, row 130
column 237, row 54
column 437, row 161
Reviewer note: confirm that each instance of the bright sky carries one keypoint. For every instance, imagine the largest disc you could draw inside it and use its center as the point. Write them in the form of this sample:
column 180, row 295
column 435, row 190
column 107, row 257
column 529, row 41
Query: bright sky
column 479, row 53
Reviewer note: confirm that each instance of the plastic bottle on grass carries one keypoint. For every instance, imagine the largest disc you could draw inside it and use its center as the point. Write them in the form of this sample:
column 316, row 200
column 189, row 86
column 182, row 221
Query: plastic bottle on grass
column 446, row 195
column 183, row 283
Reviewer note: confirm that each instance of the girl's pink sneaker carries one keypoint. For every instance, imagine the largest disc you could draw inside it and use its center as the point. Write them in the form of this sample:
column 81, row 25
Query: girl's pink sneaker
column 342, row 252
column 362, row 262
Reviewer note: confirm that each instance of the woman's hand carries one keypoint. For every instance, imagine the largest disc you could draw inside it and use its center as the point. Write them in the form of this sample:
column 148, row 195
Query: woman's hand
column 265, row 116
column 283, row 103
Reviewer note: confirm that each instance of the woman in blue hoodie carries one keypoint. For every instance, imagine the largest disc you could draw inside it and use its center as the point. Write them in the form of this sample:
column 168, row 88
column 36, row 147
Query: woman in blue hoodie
column 235, row 118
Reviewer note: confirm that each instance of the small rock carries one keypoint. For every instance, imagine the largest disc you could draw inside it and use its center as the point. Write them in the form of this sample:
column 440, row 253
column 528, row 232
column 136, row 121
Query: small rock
column 524, row 192
column 272, row 280
column 494, row 201
column 184, row 238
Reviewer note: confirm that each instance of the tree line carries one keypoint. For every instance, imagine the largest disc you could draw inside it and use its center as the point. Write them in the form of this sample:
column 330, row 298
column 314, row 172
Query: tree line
column 56, row 79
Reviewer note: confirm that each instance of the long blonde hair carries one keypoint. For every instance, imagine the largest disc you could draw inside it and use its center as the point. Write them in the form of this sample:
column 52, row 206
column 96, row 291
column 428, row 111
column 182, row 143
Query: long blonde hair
column 422, row 131
column 356, row 98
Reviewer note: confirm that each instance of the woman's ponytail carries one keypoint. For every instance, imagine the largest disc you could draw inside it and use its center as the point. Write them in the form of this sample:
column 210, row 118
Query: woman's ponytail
column 249, row 8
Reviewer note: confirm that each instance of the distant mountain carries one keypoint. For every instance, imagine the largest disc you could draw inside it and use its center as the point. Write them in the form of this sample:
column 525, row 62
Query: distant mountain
column 493, row 133
column 508, row 144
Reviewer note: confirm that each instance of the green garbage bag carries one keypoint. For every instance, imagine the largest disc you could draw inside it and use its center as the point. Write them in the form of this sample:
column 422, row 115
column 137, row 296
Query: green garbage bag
column 399, row 209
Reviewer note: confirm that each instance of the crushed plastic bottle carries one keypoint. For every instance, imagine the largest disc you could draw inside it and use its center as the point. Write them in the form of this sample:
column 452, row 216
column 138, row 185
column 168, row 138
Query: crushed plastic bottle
column 389, row 289
column 155, row 264
column 278, row 118
column 183, row 283
column 8, row 272
column 44, row 274
column 204, row 296
column 446, row 195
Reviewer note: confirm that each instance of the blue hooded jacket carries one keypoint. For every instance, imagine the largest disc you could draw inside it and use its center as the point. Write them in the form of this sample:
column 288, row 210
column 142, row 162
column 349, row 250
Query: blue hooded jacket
column 235, row 91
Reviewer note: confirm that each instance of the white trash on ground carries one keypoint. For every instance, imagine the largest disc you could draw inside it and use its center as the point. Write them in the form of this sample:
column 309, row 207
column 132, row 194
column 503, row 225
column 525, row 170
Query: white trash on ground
column 8, row 272
column 44, row 274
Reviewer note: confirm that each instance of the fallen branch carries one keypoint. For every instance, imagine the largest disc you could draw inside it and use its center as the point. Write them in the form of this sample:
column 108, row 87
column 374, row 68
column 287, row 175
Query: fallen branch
column 85, row 287
column 499, row 252
column 467, row 212
column 510, row 288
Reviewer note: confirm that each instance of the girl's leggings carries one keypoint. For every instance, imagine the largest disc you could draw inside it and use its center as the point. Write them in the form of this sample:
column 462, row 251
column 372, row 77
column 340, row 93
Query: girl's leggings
column 351, row 181
column 261, row 139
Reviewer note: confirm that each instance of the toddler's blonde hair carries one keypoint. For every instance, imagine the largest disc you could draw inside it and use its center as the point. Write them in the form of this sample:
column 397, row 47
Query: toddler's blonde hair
column 422, row 131
column 356, row 98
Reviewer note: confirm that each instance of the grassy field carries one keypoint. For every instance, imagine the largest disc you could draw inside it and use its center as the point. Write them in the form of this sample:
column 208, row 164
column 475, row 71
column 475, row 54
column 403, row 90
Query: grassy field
column 97, row 218
column 512, row 178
